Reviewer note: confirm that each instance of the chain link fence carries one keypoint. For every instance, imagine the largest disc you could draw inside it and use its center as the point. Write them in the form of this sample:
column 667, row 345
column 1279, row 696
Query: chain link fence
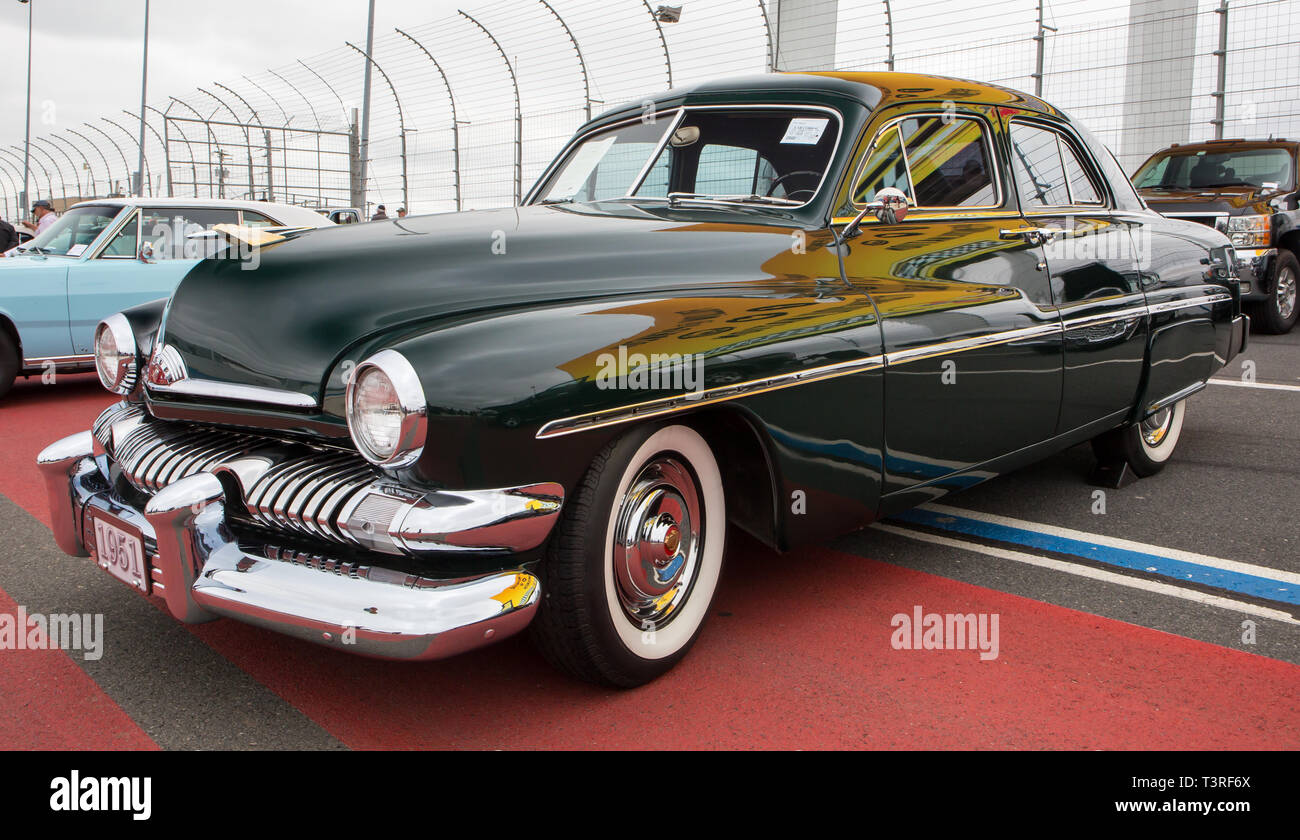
column 467, row 109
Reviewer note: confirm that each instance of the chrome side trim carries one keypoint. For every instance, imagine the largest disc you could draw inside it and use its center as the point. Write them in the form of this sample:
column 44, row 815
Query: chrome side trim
column 709, row 396
column 1201, row 300
column 1106, row 317
column 960, row 345
column 39, row 361
column 235, row 392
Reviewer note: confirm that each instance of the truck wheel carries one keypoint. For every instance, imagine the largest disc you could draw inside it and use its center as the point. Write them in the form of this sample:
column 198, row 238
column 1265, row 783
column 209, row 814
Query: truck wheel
column 634, row 562
column 1278, row 313
column 1147, row 445
column 8, row 363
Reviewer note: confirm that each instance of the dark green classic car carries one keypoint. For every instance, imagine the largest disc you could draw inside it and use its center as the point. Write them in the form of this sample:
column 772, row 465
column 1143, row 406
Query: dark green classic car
column 792, row 303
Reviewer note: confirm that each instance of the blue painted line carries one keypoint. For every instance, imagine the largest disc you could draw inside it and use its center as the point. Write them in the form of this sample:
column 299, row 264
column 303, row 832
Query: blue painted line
column 1181, row 570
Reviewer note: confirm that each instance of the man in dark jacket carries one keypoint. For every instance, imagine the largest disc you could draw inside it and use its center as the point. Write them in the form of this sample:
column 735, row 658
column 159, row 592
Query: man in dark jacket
column 380, row 214
column 8, row 236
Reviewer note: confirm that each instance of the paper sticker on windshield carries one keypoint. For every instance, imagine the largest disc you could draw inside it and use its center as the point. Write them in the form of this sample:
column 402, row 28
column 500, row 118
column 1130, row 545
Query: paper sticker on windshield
column 76, row 250
column 805, row 131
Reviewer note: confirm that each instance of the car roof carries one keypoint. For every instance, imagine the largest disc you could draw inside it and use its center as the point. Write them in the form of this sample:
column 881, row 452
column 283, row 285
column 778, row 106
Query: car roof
column 286, row 213
column 869, row 88
column 1227, row 145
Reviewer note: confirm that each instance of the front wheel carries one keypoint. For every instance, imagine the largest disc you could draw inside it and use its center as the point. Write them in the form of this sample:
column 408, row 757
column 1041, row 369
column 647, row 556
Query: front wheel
column 1146, row 446
column 1277, row 314
column 633, row 565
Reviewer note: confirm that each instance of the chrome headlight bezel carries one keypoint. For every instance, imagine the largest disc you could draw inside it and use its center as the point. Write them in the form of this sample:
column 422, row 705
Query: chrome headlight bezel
column 414, row 409
column 1255, row 231
column 121, row 373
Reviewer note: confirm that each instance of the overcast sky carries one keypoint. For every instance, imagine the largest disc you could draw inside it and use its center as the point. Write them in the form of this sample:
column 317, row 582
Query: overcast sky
column 86, row 53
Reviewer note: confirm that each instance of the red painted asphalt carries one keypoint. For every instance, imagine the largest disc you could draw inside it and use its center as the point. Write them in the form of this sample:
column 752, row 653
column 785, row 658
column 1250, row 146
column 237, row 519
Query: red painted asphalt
column 797, row 655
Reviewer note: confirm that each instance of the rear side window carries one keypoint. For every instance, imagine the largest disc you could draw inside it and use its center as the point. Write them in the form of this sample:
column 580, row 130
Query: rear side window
column 1049, row 172
column 257, row 220
column 168, row 230
column 938, row 161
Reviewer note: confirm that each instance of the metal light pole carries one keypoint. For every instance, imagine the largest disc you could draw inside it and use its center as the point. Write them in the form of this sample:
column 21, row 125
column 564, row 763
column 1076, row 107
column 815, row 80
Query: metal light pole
column 27, row 142
column 364, row 146
column 144, row 87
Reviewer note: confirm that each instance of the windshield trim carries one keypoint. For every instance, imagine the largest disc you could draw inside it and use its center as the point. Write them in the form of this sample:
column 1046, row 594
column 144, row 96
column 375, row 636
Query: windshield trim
column 679, row 116
column 96, row 243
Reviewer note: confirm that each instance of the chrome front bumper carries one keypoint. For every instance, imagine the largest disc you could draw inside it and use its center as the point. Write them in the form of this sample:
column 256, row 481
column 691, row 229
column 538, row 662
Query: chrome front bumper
column 203, row 570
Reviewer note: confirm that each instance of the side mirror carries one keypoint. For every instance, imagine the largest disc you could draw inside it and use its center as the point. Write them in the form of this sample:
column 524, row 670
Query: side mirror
column 890, row 205
column 146, row 252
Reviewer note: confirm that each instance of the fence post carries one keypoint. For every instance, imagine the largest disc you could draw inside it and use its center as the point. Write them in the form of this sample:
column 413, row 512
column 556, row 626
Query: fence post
column 1040, row 39
column 354, row 164
column 1221, row 54
column 889, row 35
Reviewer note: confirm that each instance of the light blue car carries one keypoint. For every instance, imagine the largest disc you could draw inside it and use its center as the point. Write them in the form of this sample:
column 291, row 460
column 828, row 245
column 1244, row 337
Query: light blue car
column 99, row 258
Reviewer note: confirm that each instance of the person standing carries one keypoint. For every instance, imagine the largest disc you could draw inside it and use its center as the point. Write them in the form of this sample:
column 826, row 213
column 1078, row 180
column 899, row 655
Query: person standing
column 45, row 216
column 380, row 214
column 401, row 212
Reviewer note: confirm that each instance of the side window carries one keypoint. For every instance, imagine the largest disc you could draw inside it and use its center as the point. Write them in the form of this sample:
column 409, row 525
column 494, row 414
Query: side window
column 885, row 168
column 124, row 243
column 1036, row 160
column 949, row 160
column 167, row 230
column 1048, row 171
column 257, row 220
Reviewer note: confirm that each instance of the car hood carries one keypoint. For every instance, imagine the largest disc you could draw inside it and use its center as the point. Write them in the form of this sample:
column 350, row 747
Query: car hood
column 335, row 295
column 1235, row 201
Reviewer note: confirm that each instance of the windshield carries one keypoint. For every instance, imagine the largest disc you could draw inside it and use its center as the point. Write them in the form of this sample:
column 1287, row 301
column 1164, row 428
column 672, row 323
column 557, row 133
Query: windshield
column 1189, row 170
column 760, row 155
column 73, row 232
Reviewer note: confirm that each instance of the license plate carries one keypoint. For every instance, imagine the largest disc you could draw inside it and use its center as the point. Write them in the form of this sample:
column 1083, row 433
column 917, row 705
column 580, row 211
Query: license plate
column 121, row 554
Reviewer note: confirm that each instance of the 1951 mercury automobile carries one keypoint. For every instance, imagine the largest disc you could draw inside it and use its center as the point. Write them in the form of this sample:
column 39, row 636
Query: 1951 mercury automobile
column 794, row 303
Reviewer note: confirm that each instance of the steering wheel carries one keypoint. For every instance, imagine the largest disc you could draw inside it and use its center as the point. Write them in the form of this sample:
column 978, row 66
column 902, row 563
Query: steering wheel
column 772, row 187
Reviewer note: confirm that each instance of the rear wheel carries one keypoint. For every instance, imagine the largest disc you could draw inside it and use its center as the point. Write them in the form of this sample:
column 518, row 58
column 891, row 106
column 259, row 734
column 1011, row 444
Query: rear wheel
column 1278, row 313
column 1146, row 446
column 8, row 362
column 635, row 560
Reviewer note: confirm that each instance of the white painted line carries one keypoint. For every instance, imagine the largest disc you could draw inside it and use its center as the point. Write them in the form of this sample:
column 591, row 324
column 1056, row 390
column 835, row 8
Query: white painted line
column 1095, row 574
column 1267, row 386
column 1127, row 545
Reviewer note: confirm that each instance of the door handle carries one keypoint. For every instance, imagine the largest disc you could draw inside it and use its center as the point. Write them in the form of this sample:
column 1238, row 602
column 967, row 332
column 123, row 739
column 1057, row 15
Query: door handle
column 1032, row 235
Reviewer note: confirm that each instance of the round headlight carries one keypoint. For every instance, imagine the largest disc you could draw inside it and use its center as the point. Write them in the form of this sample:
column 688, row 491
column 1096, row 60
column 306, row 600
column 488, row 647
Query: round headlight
column 116, row 360
column 386, row 410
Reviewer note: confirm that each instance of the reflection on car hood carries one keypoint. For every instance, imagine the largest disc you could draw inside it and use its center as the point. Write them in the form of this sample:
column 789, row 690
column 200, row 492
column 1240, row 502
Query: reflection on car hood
column 320, row 299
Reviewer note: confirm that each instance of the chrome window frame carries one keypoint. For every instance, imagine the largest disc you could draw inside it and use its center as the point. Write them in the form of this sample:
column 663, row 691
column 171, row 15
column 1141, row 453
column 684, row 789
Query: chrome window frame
column 892, row 123
column 117, row 227
column 1081, row 152
column 679, row 114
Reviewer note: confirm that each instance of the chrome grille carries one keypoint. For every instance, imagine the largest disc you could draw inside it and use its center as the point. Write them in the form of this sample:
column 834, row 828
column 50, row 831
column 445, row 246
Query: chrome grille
column 294, row 486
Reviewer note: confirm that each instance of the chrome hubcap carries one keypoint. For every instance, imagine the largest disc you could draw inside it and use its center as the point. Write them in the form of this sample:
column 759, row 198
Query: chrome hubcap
column 1286, row 292
column 657, row 542
column 1156, row 427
